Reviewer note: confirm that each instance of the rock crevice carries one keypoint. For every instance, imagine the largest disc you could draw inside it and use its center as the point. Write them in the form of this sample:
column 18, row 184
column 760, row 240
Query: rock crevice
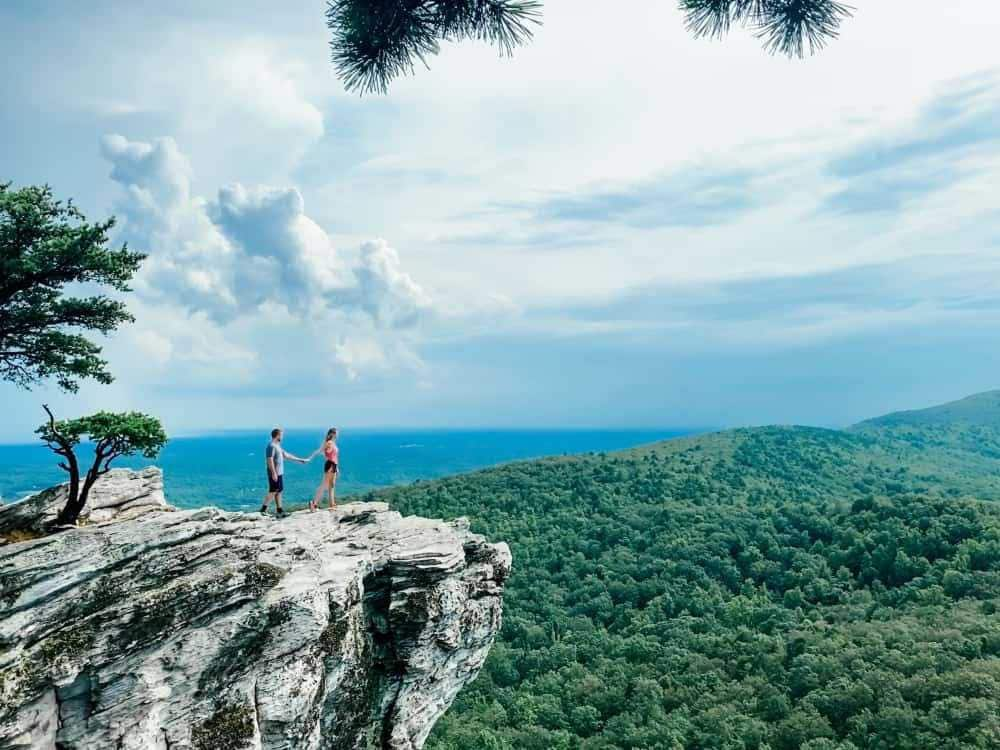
column 206, row 629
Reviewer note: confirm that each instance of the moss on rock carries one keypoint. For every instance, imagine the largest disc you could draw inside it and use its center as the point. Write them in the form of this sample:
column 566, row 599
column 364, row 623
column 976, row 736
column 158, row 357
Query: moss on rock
column 261, row 577
column 231, row 727
column 41, row 666
column 333, row 635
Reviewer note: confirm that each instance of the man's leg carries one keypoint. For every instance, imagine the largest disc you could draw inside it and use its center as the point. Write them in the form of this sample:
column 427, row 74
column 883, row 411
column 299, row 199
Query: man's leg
column 267, row 501
column 279, row 489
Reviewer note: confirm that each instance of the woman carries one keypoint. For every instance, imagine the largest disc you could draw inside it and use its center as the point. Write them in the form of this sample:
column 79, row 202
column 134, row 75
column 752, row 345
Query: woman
column 331, row 453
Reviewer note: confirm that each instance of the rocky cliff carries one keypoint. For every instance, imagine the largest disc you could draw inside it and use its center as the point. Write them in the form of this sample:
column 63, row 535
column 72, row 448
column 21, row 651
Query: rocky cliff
column 119, row 495
column 157, row 628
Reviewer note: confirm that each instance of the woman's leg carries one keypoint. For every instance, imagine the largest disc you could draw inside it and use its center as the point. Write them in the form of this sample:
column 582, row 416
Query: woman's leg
column 319, row 491
column 333, row 489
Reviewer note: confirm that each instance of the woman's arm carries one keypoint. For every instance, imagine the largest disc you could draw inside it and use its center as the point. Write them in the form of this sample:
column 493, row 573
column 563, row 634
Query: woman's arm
column 322, row 447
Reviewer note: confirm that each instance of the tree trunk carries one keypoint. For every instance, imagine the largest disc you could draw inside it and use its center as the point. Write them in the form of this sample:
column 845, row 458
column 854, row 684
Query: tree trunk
column 75, row 501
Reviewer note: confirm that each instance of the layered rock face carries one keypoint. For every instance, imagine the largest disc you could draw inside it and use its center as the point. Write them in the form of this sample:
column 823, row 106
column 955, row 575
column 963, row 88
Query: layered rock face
column 216, row 631
column 119, row 495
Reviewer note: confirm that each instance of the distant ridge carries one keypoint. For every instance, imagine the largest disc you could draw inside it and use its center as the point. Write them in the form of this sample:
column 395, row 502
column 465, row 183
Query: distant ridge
column 980, row 410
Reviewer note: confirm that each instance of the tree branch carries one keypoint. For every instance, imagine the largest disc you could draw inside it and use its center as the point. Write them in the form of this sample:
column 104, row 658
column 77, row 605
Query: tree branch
column 107, row 462
column 52, row 419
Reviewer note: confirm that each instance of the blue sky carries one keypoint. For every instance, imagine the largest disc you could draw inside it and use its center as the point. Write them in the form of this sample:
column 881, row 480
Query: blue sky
column 673, row 232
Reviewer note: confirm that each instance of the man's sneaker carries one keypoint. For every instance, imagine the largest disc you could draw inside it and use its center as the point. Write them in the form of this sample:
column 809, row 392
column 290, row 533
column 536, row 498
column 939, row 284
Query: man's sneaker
column 280, row 513
column 263, row 510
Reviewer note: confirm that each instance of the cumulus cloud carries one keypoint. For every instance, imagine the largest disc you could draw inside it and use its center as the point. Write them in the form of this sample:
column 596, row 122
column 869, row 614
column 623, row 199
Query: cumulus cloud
column 189, row 261
column 252, row 253
column 282, row 255
column 384, row 290
column 157, row 172
column 247, row 247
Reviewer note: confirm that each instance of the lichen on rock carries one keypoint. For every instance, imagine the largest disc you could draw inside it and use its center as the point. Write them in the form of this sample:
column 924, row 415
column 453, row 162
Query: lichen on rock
column 231, row 727
column 206, row 629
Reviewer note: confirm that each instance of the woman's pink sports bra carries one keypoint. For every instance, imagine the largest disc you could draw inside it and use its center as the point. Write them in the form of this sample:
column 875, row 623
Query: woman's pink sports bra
column 331, row 452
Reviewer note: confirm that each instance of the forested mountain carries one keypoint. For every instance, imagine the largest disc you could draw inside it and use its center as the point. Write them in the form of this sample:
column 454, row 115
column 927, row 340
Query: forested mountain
column 777, row 587
column 956, row 446
column 982, row 410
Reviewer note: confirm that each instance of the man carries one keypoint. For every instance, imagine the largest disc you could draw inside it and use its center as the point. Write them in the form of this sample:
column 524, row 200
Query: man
column 274, row 457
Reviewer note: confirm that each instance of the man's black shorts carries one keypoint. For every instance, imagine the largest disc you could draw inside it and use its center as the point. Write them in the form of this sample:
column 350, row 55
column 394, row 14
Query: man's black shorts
column 276, row 485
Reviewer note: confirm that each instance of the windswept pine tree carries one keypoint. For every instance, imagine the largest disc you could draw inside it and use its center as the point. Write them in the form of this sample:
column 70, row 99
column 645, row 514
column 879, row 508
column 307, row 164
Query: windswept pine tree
column 47, row 250
column 113, row 436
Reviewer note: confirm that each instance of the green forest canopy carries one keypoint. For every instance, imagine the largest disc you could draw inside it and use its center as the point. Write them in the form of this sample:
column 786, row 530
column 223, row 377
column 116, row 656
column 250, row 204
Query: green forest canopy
column 778, row 587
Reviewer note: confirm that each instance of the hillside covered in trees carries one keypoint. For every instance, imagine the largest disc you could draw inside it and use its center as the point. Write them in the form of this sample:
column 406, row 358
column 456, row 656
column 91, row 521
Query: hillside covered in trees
column 776, row 587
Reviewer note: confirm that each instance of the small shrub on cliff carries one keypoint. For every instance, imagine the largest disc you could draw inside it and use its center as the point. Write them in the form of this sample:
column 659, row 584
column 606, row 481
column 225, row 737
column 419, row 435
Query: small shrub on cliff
column 113, row 435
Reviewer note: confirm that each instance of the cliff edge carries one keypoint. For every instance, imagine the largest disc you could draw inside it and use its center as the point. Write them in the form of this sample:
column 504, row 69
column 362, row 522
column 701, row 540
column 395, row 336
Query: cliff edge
column 209, row 630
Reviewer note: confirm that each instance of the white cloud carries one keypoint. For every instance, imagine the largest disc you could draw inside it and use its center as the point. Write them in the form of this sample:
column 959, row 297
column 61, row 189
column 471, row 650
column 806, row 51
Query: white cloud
column 155, row 348
column 248, row 247
column 384, row 290
column 229, row 96
column 156, row 175
column 251, row 257
column 189, row 261
column 241, row 102
column 370, row 356
column 284, row 255
column 264, row 85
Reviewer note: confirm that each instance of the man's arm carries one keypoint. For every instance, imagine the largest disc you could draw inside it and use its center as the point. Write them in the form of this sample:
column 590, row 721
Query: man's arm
column 270, row 465
column 292, row 457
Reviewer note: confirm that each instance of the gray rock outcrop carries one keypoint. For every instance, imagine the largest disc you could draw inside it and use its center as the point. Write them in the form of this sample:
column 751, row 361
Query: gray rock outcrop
column 119, row 495
column 211, row 630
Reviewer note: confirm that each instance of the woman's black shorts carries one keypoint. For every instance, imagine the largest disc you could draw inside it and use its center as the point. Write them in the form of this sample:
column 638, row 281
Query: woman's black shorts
column 329, row 466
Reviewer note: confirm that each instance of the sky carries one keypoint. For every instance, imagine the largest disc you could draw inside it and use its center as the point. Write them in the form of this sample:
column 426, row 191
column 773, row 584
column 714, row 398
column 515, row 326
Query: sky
column 621, row 226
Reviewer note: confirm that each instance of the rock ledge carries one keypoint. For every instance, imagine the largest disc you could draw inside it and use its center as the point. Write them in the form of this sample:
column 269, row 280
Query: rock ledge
column 213, row 631
column 119, row 495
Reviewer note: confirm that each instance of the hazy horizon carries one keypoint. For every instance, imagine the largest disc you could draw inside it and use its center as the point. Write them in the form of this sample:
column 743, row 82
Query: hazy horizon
column 298, row 431
column 681, row 429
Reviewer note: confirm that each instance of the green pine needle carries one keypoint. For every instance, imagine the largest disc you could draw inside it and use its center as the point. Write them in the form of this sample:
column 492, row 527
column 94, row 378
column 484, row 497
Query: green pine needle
column 789, row 27
column 377, row 41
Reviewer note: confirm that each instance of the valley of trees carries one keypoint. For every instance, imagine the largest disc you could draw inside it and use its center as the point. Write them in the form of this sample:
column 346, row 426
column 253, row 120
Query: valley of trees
column 772, row 588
